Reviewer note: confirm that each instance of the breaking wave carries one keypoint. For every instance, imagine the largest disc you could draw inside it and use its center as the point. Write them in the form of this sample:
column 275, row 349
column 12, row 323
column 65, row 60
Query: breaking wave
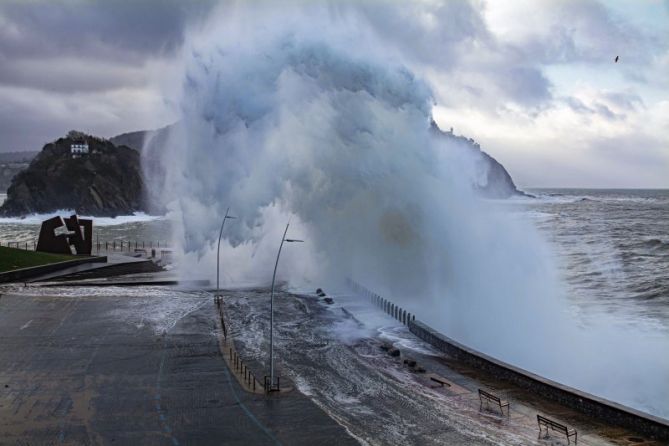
column 303, row 113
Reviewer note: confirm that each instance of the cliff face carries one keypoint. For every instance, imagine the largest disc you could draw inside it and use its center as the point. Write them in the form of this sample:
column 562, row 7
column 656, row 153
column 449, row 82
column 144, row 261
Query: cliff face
column 105, row 182
column 496, row 181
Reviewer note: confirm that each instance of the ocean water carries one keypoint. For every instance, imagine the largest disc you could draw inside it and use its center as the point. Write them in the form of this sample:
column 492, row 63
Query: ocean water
column 139, row 227
column 612, row 247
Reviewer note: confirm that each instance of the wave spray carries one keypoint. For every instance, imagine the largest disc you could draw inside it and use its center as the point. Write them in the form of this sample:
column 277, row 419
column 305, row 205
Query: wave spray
column 303, row 112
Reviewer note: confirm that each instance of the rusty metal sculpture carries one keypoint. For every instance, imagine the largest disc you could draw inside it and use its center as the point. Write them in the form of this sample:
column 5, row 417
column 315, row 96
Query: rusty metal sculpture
column 82, row 241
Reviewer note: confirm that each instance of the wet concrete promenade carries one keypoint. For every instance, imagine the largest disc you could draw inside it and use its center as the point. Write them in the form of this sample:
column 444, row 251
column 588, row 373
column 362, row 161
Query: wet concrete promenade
column 333, row 354
column 141, row 366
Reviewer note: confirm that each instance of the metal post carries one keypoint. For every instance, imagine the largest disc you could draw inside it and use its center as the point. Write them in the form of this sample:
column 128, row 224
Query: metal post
column 271, row 312
column 271, row 306
column 218, row 252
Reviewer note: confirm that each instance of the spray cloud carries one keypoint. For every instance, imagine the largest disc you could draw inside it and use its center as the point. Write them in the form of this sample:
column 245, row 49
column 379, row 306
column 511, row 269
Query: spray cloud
column 304, row 112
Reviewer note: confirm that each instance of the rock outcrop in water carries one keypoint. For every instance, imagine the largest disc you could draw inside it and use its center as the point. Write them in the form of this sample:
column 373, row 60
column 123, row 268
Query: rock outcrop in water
column 106, row 181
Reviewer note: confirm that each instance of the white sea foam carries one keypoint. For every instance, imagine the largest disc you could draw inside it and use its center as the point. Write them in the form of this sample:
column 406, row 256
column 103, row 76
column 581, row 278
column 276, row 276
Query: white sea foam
column 36, row 219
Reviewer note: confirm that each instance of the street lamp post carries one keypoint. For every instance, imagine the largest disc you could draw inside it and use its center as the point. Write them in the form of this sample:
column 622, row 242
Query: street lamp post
column 271, row 307
column 218, row 254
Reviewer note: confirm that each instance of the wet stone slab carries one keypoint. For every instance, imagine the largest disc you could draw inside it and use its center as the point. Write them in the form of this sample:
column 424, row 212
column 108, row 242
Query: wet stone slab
column 134, row 367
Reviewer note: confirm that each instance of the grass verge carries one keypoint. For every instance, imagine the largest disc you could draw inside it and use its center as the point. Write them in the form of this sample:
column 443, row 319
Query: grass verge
column 12, row 258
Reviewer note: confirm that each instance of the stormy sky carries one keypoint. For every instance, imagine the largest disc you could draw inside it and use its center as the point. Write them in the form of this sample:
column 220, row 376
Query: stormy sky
column 534, row 82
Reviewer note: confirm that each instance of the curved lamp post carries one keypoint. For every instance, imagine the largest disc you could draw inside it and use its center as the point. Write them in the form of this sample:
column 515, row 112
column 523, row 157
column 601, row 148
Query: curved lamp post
column 271, row 306
column 218, row 253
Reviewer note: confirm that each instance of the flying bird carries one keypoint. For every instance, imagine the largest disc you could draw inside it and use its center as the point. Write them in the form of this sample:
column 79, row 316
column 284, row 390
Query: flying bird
column 616, row 59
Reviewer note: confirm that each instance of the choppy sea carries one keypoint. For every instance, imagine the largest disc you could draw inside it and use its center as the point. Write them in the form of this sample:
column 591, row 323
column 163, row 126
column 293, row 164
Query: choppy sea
column 139, row 227
column 612, row 245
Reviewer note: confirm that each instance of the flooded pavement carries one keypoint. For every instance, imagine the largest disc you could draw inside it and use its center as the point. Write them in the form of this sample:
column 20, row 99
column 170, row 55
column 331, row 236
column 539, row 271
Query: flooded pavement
column 142, row 365
column 133, row 366
column 330, row 354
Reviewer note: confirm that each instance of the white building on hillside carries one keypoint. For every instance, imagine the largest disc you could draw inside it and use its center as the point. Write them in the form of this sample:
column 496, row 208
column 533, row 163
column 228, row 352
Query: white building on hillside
column 79, row 149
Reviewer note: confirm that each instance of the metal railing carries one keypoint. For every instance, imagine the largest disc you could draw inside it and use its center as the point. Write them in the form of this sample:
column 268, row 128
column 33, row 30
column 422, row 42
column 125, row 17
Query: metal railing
column 20, row 245
column 113, row 245
column 236, row 361
column 388, row 307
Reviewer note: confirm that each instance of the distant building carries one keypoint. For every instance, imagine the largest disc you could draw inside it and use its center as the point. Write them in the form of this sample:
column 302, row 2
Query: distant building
column 79, row 149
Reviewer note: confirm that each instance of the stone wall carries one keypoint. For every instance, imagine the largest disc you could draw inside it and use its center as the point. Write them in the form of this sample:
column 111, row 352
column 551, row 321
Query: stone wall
column 591, row 405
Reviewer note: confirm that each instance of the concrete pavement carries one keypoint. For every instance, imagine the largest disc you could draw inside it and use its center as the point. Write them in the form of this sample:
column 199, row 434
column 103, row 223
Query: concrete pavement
column 137, row 369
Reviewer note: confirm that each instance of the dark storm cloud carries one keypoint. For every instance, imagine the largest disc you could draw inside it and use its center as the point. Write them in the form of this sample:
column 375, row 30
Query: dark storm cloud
column 120, row 30
column 68, row 46
column 70, row 75
column 84, row 64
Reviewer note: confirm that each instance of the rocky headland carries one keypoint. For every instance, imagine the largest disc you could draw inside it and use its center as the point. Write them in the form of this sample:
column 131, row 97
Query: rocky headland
column 495, row 181
column 109, row 179
column 103, row 180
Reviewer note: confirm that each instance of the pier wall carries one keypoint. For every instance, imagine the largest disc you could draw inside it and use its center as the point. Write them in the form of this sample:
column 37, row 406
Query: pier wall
column 591, row 405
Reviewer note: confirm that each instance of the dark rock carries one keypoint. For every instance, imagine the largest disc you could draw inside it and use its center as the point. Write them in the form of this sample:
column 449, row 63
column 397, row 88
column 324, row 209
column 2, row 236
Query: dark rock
column 105, row 182
column 385, row 347
column 328, row 300
column 410, row 362
column 499, row 183
column 420, row 369
column 394, row 352
column 319, row 290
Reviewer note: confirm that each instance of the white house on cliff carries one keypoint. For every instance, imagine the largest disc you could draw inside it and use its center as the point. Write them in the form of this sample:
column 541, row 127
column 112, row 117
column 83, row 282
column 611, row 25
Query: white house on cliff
column 79, row 149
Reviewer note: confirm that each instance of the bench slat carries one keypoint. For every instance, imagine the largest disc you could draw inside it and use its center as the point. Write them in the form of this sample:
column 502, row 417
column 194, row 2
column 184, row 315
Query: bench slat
column 490, row 397
column 554, row 425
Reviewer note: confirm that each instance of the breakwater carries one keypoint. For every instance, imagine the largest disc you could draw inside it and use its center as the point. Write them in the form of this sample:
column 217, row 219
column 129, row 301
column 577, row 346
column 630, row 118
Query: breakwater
column 596, row 407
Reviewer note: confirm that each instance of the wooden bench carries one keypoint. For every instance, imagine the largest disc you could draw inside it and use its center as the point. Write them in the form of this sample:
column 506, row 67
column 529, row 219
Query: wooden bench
column 489, row 397
column 554, row 425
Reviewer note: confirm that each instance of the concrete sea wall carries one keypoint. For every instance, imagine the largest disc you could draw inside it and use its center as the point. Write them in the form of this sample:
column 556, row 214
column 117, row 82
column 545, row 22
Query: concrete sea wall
column 591, row 405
